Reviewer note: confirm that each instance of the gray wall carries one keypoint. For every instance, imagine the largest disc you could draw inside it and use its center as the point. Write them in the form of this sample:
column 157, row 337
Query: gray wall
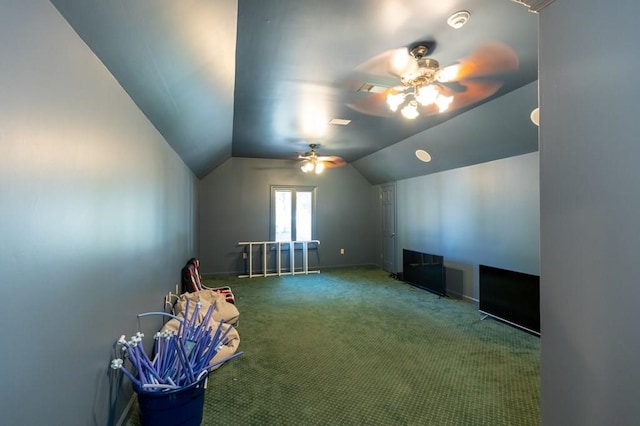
column 482, row 214
column 235, row 206
column 96, row 219
column 590, row 212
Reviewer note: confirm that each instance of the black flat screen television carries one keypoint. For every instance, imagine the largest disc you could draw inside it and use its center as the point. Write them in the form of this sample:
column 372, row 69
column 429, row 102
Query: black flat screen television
column 510, row 296
column 424, row 270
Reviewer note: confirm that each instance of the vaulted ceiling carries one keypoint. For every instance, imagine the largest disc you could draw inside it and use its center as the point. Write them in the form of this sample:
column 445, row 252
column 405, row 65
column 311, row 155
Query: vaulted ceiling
column 263, row 78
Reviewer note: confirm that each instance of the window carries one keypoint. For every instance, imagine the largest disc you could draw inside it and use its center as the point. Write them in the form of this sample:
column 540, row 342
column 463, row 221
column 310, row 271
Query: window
column 292, row 213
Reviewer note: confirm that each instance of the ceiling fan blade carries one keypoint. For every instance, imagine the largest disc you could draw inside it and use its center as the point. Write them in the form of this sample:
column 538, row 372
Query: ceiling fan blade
column 391, row 63
column 372, row 104
column 488, row 60
column 470, row 80
column 331, row 161
column 381, row 71
column 467, row 93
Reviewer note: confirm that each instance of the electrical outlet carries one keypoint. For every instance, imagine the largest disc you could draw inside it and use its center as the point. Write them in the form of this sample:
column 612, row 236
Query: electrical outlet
column 244, row 255
column 341, row 251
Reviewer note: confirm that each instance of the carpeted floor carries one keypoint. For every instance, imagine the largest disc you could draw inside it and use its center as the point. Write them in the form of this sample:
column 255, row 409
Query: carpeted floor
column 355, row 347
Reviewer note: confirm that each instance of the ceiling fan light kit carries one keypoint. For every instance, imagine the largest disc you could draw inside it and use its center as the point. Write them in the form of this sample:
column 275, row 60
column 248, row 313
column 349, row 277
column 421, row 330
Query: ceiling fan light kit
column 410, row 110
column 310, row 166
column 421, row 85
column 313, row 163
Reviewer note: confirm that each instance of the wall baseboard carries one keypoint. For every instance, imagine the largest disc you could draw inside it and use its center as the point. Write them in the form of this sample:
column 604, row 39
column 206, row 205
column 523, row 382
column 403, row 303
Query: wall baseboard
column 471, row 299
column 126, row 413
column 464, row 297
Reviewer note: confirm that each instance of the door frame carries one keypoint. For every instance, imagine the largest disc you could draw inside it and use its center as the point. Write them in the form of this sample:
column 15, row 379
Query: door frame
column 388, row 264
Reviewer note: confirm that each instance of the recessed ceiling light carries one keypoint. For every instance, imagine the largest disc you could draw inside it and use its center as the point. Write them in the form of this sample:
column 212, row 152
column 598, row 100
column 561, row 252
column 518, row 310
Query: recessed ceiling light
column 535, row 116
column 423, row 155
column 458, row 19
column 339, row 121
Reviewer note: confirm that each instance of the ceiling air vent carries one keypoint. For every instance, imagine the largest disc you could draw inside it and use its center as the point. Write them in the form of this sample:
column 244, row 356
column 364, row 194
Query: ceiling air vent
column 372, row 88
column 339, row 121
column 534, row 5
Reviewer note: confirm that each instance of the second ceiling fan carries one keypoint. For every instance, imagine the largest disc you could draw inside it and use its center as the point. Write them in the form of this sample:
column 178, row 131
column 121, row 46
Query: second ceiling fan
column 314, row 163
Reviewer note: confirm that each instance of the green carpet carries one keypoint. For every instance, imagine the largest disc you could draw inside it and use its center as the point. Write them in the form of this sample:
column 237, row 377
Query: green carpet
column 355, row 347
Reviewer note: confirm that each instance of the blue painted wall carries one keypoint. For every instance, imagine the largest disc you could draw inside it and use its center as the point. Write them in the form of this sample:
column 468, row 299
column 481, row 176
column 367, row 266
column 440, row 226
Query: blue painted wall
column 96, row 218
column 482, row 214
column 590, row 214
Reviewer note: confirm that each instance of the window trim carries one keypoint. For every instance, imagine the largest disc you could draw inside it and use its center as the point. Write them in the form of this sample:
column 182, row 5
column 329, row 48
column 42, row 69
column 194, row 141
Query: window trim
column 294, row 189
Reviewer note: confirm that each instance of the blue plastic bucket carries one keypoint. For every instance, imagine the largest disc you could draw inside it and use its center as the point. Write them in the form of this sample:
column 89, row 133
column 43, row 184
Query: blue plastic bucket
column 180, row 407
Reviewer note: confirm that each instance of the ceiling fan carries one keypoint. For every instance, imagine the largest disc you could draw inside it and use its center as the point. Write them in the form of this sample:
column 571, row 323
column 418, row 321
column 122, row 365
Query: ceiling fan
column 313, row 163
column 410, row 80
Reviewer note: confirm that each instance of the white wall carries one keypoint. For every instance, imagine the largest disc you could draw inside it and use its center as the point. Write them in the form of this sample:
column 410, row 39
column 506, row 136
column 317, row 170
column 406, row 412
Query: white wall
column 483, row 214
column 590, row 212
column 96, row 219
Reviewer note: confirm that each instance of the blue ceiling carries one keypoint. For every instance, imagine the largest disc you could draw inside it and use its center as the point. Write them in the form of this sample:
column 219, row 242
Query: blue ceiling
column 262, row 78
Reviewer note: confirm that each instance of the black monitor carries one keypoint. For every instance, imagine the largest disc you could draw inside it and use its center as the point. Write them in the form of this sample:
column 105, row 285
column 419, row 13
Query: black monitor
column 510, row 296
column 424, row 270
